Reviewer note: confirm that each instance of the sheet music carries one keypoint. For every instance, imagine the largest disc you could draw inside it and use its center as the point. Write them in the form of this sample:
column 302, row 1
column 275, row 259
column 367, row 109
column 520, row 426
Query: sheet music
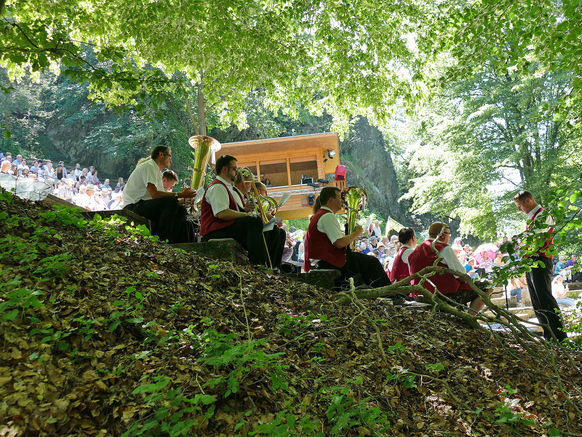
column 269, row 225
column 284, row 199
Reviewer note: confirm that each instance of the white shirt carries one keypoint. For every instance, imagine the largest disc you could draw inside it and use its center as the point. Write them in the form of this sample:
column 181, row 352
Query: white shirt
column 406, row 253
column 549, row 220
column 450, row 259
column 218, row 197
column 330, row 226
column 146, row 173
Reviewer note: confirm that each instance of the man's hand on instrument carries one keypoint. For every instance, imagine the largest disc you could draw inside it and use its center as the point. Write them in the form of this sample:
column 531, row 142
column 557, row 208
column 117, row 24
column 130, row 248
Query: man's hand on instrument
column 358, row 231
column 187, row 193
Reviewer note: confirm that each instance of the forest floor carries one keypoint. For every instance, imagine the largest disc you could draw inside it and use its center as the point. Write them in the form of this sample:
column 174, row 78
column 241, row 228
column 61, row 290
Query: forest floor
column 106, row 331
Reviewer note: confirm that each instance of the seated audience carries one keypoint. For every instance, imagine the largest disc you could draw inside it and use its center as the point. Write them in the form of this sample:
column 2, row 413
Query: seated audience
column 517, row 284
column 560, row 292
column 574, row 269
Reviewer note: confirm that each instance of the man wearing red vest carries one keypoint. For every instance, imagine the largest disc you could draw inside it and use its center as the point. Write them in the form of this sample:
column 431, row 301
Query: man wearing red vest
column 539, row 280
column 325, row 244
column 400, row 266
column 223, row 214
column 448, row 284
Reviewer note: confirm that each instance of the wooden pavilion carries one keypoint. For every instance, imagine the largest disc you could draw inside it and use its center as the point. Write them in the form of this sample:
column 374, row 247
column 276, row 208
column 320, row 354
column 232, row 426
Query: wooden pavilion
column 300, row 165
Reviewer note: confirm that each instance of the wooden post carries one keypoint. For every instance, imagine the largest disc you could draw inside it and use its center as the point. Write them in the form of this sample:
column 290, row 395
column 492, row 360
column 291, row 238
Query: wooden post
column 288, row 170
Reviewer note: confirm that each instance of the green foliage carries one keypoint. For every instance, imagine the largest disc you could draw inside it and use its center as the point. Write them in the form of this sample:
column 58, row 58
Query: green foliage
column 344, row 413
column 16, row 300
column 65, row 215
column 175, row 414
column 486, row 139
column 221, row 350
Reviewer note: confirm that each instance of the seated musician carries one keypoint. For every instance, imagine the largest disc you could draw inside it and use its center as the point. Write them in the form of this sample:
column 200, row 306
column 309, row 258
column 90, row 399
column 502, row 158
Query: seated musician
column 450, row 285
column 400, row 267
column 325, row 244
column 145, row 195
column 223, row 216
column 275, row 238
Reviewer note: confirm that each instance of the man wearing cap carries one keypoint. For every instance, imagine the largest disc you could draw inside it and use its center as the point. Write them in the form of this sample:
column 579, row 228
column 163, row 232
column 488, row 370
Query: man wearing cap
column 145, row 195
column 448, row 284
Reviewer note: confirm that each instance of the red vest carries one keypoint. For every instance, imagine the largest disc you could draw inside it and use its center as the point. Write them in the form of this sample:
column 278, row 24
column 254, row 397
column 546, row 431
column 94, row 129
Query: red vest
column 424, row 256
column 399, row 268
column 318, row 246
column 548, row 243
column 210, row 223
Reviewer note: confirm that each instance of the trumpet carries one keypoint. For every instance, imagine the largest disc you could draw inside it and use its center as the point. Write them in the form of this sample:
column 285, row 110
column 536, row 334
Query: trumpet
column 354, row 200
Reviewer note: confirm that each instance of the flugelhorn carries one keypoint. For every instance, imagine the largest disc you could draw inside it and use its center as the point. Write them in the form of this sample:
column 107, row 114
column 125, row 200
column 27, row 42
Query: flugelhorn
column 354, row 200
column 202, row 146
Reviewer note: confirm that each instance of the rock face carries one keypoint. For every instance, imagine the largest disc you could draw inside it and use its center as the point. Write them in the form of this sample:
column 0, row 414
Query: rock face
column 370, row 167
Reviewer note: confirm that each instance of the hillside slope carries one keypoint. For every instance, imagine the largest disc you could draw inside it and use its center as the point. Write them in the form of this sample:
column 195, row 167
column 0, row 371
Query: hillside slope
column 106, row 332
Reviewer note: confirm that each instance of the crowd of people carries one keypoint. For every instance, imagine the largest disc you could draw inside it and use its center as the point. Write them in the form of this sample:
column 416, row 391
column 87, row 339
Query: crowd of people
column 80, row 186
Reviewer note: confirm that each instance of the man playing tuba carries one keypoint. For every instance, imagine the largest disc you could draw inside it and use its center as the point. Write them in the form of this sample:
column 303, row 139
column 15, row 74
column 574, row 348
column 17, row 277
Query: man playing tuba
column 325, row 244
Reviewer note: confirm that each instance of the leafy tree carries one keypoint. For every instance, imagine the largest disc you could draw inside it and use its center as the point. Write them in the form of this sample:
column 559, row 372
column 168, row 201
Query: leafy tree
column 486, row 139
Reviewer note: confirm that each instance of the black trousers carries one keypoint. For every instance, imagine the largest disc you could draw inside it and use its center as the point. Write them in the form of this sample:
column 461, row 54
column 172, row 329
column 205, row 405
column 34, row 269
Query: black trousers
column 539, row 283
column 363, row 268
column 248, row 231
column 276, row 242
column 168, row 217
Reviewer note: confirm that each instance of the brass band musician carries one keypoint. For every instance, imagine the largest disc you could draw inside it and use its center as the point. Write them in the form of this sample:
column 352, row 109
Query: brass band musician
column 325, row 244
column 223, row 214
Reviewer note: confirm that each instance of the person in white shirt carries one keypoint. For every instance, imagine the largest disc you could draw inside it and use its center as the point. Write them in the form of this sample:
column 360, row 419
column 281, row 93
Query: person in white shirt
column 539, row 279
column 222, row 213
column 326, row 245
column 145, row 195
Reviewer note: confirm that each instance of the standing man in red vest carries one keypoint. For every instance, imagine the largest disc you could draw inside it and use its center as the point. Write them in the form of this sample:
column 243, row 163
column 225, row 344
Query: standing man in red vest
column 325, row 243
column 539, row 280
column 448, row 284
column 223, row 214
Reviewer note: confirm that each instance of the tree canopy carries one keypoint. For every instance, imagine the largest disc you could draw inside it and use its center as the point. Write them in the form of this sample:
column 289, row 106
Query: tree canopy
column 346, row 58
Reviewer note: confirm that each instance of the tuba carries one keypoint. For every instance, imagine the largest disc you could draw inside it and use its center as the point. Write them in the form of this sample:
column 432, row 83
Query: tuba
column 202, row 146
column 354, row 200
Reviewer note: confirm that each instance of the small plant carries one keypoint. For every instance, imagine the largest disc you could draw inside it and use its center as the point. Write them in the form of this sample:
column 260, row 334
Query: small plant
column 222, row 350
column 402, row 377
column 65, row 215
column 174, row 413
column 345, row 413
column 17, row 300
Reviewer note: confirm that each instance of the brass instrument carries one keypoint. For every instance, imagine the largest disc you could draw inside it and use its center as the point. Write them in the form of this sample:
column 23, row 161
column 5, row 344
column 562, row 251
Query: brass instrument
column 269, row 204
column 354, row 200
column 246, row 173
column 202, row 146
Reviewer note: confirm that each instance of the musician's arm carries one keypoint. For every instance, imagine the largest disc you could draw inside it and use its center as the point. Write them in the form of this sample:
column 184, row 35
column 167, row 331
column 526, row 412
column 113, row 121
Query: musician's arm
column 230, row 214
column 156, row 194
column 340, row 243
